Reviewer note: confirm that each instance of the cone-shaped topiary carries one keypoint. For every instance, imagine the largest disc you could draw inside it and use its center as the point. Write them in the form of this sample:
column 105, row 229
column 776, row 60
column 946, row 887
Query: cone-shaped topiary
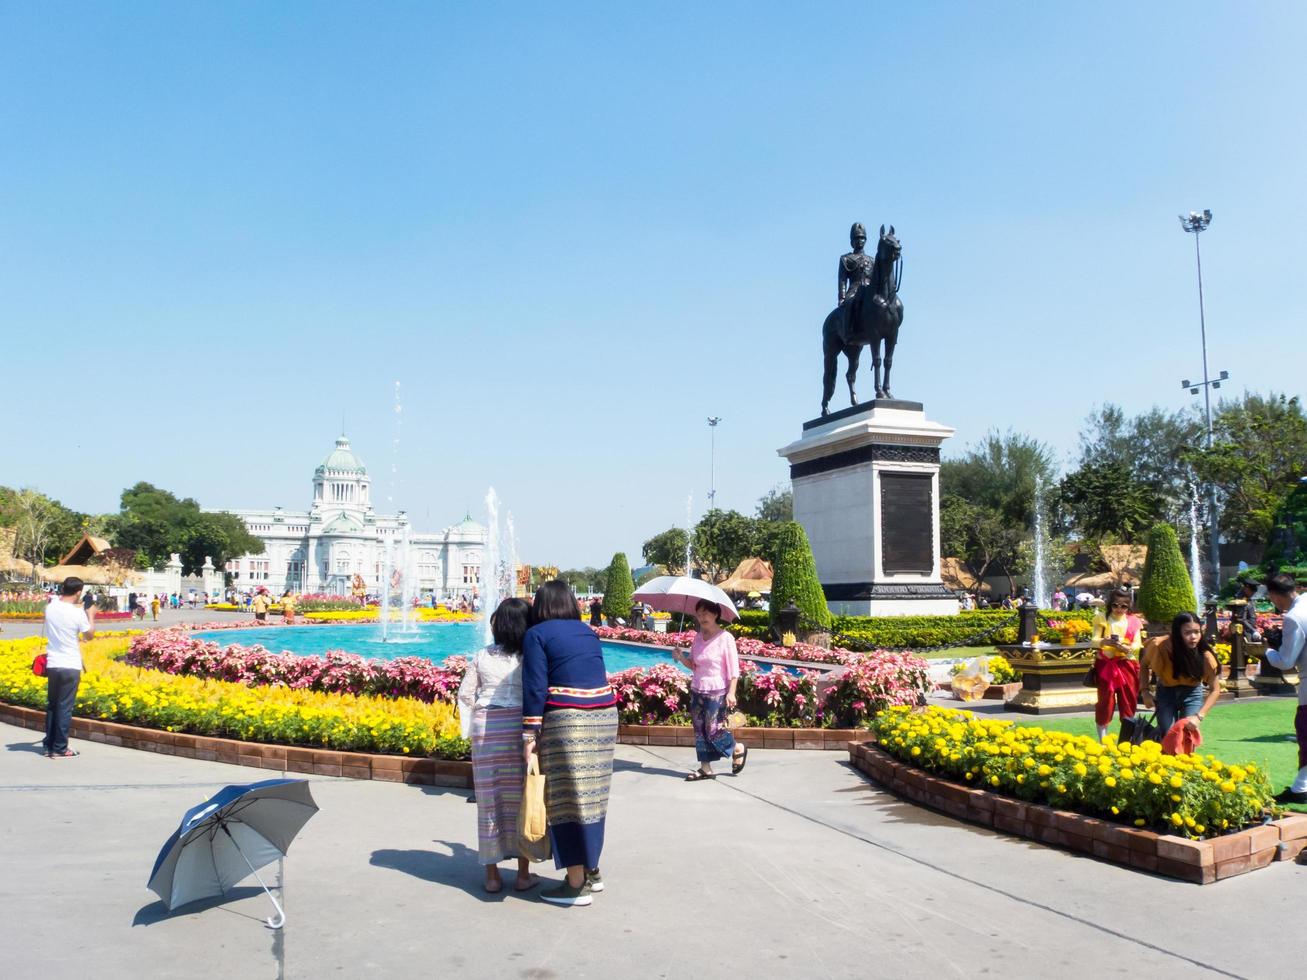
column 618, row 588
column 794, row 579
column 1165, row 589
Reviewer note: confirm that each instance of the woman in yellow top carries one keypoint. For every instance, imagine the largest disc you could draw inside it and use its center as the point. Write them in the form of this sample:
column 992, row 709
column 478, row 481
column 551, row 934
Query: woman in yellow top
column 1184, row 664
column 288, row 608
column 1117, row 635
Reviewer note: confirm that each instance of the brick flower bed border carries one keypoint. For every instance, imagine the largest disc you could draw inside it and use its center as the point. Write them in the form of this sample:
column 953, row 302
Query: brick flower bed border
column 281, row 758
column 831, row 739
column 1201, row 862
column 389, row 768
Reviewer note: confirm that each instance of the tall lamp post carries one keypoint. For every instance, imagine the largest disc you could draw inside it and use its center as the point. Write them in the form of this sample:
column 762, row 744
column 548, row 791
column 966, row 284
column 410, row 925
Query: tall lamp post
column 712, row 461
column 1195, row 223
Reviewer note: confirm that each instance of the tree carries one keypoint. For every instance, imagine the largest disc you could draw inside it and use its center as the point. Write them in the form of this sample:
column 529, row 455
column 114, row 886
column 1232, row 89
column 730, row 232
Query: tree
column 44, row 529
column 156, row 524
column 723, row 539
column 1150, row 446
column 777, row 504
column 1001, row 474
column 1106, row 498
column 1259, row 452
column 668, row 549
column 618, row 588
column 795, row 580
column 586, row 579
column 981, row 535
column 1165, row 588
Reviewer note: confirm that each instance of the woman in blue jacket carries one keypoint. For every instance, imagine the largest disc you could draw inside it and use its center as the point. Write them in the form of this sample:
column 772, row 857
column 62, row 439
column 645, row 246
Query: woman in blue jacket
column 569, row 716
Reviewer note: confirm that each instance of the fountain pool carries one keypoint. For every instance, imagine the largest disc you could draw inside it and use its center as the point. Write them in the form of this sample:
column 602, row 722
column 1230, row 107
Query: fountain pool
column 432, row 641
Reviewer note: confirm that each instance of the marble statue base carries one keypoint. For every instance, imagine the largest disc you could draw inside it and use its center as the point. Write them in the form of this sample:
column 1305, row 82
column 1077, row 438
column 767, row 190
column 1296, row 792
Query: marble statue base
column 866, row 490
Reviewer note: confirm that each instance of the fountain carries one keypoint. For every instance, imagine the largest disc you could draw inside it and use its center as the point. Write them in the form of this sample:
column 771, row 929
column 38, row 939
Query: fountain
column 490, row 591
column 407, row 591
column 387, row 563
column 1195, row 561
column 1040, row 575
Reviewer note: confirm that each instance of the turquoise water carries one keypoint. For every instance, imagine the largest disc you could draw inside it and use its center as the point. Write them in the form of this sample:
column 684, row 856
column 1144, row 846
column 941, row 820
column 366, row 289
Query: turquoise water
column 434, row 641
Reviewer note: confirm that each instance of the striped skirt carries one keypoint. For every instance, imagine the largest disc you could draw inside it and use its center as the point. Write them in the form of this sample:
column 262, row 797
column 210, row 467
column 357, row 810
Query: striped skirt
column 498, row 774
column 576, row 756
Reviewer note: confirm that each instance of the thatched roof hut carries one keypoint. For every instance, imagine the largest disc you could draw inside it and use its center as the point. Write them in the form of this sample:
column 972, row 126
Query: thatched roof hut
column 751, row 575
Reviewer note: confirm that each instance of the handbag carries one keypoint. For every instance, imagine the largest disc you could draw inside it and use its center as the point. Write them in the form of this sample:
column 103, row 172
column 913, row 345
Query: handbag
column 532, row 825
column 1138, row 729
column 39, row 663
column 1091, row 676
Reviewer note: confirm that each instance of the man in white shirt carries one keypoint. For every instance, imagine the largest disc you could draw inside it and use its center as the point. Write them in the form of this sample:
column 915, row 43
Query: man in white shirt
column 1290, row 653
column 66, row 623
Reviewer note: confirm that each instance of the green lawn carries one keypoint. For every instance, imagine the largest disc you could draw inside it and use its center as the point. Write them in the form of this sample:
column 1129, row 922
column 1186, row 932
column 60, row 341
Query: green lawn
column 1258, row 731
column 961, row 653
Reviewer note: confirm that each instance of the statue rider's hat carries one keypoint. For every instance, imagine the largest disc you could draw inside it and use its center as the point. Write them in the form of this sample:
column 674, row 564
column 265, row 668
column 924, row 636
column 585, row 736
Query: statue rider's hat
column 857, row 231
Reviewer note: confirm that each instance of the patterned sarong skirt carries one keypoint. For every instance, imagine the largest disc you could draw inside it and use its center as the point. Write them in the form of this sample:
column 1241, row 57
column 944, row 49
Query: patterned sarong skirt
column 576, row 756
column 498, row 774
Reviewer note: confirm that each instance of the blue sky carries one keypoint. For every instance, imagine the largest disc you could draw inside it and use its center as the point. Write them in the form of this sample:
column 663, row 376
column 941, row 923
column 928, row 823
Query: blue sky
column 574, row 231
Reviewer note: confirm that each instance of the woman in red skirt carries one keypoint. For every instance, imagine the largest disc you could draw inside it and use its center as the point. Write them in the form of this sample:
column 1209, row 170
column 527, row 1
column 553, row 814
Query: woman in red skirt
column 1117, row 634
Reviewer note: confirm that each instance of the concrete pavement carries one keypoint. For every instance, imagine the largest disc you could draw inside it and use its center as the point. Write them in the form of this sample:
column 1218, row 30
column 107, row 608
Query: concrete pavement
column 799, row 867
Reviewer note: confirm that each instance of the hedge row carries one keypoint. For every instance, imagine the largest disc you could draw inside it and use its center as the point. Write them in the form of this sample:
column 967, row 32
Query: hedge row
column 914, row 632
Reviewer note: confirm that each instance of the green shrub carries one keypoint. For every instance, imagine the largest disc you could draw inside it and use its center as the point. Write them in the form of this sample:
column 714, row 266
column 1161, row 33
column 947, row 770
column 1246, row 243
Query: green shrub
column 914, row 632
column 618, row 588
column 1165, row 589
column 795, row 580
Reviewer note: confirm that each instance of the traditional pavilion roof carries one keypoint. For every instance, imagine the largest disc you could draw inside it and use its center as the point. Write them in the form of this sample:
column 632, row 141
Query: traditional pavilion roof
column 342, row 459
column 85, row 549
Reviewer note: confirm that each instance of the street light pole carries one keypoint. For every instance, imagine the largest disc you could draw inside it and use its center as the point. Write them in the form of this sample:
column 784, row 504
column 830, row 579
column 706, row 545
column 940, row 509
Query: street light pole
column 1195, row 223
column 712, row 461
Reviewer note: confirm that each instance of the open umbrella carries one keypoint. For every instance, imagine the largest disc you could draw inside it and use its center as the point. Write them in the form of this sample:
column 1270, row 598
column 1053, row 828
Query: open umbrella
column 230, row 835
column 680, row 593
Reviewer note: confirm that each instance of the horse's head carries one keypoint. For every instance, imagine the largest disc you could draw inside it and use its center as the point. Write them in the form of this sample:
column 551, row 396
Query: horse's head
column 889, row 248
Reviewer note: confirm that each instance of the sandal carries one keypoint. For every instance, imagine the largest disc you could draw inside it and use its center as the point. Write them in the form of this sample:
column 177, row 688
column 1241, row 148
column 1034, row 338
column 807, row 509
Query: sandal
column 699, row 774
column 532, row 882
column 738, row 764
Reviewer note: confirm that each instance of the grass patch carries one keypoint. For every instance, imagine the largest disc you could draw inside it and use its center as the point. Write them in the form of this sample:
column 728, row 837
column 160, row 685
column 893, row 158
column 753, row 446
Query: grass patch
column 1258, row 731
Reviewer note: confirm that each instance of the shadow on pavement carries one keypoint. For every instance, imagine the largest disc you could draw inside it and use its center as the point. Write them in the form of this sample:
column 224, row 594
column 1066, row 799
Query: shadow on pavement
column 33, row 747
column 148, row 915
column 461, row 869
column 622, row 765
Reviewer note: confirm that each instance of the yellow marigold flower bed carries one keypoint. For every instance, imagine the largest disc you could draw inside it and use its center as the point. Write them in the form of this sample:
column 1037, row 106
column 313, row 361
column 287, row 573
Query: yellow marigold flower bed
column 115, row 692
column 371, row 615
column 1190, row 795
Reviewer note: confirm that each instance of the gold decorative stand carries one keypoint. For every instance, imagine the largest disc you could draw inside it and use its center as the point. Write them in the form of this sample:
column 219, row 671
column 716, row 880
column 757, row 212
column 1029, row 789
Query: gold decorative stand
column 1051, row 677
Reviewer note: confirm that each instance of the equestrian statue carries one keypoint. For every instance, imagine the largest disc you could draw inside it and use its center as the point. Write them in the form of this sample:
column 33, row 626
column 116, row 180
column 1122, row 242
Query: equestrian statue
column 869, row 312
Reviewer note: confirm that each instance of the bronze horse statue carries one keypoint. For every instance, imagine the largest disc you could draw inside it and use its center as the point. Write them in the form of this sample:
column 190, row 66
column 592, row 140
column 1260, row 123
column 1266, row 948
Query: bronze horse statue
column 873, row 315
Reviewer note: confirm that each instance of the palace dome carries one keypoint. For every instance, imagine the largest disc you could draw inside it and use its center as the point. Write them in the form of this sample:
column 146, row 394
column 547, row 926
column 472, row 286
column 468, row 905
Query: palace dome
column 342, row 459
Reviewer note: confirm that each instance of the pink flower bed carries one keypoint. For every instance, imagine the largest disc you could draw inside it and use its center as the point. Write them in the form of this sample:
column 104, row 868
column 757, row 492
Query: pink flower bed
column 774, row 697
column 172, row 652
column 746, row 645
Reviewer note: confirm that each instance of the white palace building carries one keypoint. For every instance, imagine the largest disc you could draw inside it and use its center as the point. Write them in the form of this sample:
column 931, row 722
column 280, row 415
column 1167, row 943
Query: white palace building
column 340, row 536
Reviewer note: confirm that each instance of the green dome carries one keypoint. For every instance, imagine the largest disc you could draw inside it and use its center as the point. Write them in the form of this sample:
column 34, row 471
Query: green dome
column 467, row 526
column 342, row 459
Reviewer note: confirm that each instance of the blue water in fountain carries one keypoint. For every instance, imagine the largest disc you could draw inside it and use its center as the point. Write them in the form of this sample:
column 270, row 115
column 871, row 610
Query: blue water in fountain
column 432, row 641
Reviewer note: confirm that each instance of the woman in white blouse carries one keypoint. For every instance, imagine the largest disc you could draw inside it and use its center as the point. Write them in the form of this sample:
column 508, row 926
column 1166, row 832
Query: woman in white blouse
column 490, row 709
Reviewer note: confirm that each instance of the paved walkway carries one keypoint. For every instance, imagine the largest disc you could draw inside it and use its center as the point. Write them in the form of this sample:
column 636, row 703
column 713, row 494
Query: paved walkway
column 799, row 867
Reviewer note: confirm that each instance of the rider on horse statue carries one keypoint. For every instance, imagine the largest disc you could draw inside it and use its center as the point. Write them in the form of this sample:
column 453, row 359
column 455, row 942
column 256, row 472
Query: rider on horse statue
column 855, row 266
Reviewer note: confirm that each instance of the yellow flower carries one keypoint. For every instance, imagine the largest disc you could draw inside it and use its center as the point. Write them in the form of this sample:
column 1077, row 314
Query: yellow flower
column 1176, row 782
column 1109, row 782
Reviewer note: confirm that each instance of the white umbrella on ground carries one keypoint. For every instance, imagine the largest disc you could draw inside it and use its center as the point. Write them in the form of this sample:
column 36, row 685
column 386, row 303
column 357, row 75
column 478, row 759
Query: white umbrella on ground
column 680, row 594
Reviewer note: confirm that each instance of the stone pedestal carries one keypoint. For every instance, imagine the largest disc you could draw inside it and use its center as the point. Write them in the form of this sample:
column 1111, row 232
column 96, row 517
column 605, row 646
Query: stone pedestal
column 1051, row 677
column 866, row 490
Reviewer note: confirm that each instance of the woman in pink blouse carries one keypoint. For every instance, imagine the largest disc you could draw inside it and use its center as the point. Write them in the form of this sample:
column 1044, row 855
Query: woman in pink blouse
column 716, row 666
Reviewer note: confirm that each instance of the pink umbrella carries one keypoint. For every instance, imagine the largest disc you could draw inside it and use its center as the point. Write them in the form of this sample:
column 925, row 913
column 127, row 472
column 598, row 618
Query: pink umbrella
column 680, row 593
